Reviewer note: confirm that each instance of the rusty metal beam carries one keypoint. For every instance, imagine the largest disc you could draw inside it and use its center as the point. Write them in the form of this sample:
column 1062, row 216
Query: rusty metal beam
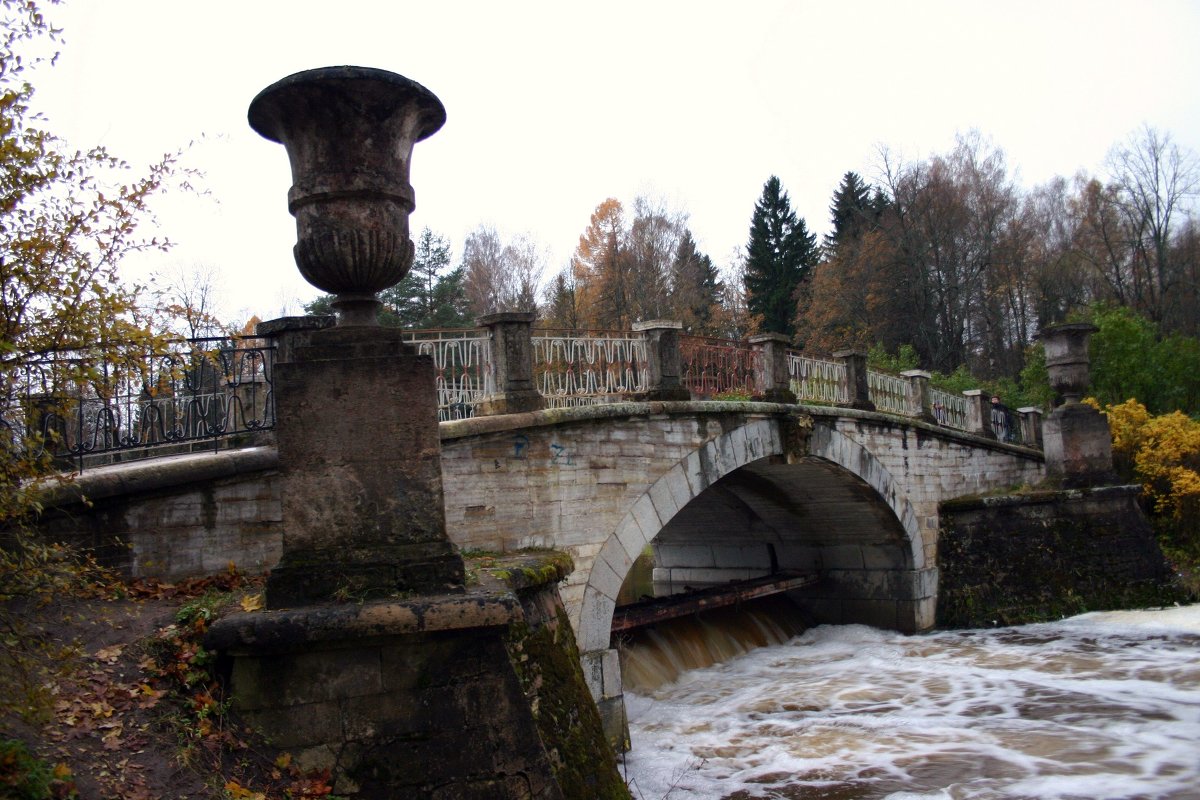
column 648, row 612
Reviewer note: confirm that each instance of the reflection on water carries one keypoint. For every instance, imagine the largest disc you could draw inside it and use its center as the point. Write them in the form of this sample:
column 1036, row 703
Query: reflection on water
column 1098, row 707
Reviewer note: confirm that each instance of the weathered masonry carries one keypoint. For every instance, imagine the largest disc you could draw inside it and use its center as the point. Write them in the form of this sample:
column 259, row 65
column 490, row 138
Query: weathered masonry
column 720, row 490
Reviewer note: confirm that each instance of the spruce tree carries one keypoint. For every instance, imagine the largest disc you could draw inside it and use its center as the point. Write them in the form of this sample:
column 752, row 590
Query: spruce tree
column 779, row 258
column 852, row 213
column 696, row 286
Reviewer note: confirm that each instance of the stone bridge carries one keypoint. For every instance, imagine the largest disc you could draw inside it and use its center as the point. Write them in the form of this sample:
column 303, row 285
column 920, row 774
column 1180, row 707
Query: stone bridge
column 719, row 490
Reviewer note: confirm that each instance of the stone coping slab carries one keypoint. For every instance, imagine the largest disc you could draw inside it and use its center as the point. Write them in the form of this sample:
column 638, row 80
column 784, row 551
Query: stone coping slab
column 490, row 602
column 475, row 426
column 1037, row 496
column 150, row 474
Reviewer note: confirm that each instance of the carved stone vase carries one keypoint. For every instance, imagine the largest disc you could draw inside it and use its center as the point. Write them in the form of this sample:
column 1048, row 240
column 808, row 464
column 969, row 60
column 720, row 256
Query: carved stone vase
column 349, row 134
column 1066, row 348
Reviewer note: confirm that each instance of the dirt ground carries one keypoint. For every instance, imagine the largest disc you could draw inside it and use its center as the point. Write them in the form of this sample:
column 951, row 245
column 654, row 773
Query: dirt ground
column 128, row 705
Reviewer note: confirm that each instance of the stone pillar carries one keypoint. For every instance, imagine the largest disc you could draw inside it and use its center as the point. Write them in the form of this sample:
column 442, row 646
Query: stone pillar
column 919, row 399
column 372, row 660
column 357, row 431
column 771, row 378
column 1031, row 426
column 856, row 378
column 511, row 351
column 286, row 335
column 1075, row 437
column 979, row 413
column 663, row 361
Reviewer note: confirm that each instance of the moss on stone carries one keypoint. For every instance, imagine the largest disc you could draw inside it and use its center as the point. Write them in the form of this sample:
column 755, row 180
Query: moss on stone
column 546, row 661
column 523, row 569
column 1046, row 555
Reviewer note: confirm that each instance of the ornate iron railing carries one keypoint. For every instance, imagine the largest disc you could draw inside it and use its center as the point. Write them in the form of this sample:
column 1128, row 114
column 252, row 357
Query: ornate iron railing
column 1006, row 424
column 73, row 404
column 889, row 393
column 463, row 368
column 818, row 380
column 576, row 368
column 948, row 409
column 713, row 366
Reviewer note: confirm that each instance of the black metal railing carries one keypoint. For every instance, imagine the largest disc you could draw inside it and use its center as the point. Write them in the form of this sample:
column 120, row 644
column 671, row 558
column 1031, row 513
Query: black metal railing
column 73, row 404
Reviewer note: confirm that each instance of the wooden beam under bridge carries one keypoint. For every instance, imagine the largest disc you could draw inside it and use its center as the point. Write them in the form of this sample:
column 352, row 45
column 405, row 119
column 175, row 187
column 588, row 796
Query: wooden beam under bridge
column 660, row 609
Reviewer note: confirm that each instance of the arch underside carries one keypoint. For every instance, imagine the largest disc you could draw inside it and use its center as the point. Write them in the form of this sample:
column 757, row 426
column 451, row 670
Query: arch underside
column 770, row 516
column 738, row 509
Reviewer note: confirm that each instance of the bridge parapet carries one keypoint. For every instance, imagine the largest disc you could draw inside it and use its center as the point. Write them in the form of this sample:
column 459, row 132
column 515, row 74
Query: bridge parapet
column 502, row 367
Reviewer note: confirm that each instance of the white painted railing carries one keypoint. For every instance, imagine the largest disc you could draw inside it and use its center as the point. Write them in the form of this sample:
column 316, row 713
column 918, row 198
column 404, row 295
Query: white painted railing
column 948, row 409
column 462, row 365
column 817, row 380
column 889, row 393
column 579, row 368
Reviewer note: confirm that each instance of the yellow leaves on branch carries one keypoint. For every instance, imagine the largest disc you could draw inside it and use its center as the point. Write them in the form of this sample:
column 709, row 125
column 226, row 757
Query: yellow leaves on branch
column 1163, row 451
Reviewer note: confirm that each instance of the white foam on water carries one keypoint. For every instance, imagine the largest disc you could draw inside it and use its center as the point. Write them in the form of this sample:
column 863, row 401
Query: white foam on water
column 1102, row 707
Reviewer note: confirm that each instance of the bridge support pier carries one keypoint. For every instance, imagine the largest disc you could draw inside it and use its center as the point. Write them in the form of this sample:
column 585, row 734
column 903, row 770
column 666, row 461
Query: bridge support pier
column 902, row 600
column 602, row 672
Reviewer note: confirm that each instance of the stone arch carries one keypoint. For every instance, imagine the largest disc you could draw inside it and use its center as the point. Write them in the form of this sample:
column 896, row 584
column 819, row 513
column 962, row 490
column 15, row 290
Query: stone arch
column 673, row 490
column 691, row 476
column 829, row 443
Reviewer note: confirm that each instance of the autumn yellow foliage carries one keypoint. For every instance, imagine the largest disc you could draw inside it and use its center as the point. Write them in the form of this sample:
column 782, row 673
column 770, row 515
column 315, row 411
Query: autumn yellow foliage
column 1162, row 453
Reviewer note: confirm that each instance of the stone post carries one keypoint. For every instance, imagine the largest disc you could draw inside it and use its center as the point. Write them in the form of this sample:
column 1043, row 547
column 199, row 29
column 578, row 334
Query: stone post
column 1076, row 439
column 979, row 413
column 1031, row 426
column 919, row 399
column 511, row 350
column 856, row 378
column 771, row 379
column 663, row 360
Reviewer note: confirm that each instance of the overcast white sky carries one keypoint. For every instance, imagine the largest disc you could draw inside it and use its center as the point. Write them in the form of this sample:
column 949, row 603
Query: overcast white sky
column 555, row 106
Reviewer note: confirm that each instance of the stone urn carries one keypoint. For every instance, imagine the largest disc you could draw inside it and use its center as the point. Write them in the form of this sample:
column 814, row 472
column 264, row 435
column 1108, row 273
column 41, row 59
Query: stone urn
column 349, row 134
column 1067, row 358
column 1075, row 437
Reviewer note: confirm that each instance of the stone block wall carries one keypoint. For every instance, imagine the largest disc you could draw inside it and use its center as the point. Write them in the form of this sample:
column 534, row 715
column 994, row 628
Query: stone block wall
column 175, row 517
column 930, row 465
column 1014, row 559
column 457, row 697
column 566, row 478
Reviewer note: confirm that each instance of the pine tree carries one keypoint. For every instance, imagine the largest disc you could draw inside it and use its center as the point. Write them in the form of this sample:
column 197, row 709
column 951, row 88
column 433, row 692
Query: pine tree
column 780, row 255
column 427, row 298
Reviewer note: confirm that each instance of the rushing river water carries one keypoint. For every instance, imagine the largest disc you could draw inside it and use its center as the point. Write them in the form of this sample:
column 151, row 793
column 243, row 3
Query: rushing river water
column 1098, row 707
